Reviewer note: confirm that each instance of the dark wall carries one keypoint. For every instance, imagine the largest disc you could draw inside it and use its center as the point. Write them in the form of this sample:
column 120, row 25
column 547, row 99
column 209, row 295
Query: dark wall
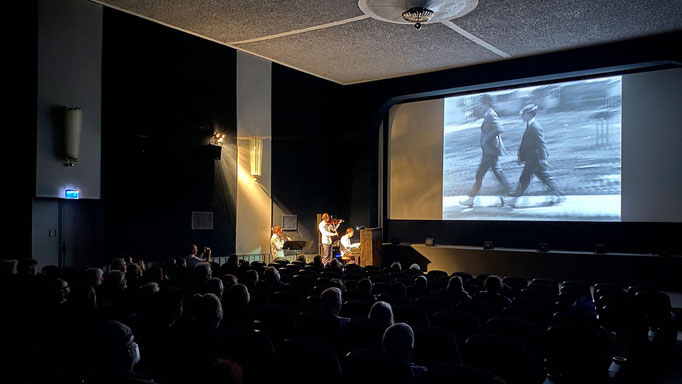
column 19, row 55
column 367, row 104
column 309, row 147
column 163, row 93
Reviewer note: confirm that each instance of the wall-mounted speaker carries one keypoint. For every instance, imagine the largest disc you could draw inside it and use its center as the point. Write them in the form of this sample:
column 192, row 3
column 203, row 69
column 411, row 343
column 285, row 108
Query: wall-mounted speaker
column 289, row 222
column 202, row 220
column 543, row 247
column 429, row 242
column 488, row 245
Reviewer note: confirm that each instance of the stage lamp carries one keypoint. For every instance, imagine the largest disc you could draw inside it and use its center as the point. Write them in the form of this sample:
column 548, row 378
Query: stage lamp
column 256, row 145
column 217, row 138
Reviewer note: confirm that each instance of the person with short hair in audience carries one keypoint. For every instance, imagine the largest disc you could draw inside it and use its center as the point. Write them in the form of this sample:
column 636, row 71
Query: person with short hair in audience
column 330, row 304
column 8, row 272
column 397, row 294
column 95, row 276
column 118, row 264
column 414, row 271
column 338, row 283
column 193, row 259
column 381, row 313
column 155, row 274
column 271, row 280
column 181, row 262
column 113, row 285
column 201, row 273
column 215, row 286
column 395, row 266
column 236, row 301
column 398, row 343
column 249, row 278
column 8, row 268
column 229, row 281
column 492, row 293
column 208, row 311
column 133, row 275
column 301, row 258
column 27, row 267
column 363, row 290
column 334, row 264
column 50, row 272
column 115, row 355
column 421, row 284
column 317, row 261
column 454, row 291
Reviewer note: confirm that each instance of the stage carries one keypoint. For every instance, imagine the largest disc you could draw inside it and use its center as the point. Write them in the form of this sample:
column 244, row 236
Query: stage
column 625, row 268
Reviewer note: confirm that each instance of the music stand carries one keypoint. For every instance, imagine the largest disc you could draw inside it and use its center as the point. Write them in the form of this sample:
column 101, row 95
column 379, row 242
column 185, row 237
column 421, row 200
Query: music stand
column 294, row 245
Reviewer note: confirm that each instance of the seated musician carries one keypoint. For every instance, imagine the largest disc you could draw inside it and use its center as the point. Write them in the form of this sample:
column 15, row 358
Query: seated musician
column 346, row 245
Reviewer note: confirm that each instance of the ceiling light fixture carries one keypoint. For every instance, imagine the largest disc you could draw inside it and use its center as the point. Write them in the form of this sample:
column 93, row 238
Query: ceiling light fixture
column 416, row 12
column 418, row 15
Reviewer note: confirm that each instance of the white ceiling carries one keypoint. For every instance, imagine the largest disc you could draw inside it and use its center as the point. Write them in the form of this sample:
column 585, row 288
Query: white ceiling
column 335, row 40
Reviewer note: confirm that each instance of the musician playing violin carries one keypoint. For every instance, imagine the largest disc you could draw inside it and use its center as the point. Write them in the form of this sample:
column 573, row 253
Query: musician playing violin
column 328, row 227
column 277, row 243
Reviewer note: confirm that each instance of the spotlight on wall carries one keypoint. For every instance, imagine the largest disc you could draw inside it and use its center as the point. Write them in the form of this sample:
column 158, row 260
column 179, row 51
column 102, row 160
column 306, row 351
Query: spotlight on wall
column 256, row 145
column 72, row 134
column 488, row 245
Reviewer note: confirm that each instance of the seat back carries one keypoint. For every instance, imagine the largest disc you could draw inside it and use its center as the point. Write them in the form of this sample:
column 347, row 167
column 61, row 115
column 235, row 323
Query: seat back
column 433, row 345
column 460, row 324
column 321, row 364
column 504, row 356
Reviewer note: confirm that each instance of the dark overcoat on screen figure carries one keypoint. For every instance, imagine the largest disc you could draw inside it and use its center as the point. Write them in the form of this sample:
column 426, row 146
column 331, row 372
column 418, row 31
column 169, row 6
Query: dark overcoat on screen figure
column 533, row 148
column 491, row 143
column 533, row 152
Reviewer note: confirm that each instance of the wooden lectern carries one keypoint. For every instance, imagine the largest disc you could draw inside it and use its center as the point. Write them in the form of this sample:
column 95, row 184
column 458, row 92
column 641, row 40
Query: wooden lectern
column 370, row 246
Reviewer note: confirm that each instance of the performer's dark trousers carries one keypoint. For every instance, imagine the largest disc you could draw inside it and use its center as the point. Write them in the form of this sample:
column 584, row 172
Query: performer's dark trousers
column 489, row 162
column 539, row 169
column 327, row 253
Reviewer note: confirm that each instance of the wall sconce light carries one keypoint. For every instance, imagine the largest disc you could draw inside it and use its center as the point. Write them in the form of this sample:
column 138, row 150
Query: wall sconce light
column 73, row 123
column 256, row 144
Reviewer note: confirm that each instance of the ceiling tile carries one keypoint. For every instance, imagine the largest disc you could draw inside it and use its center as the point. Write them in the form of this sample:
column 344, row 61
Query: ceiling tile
column 235, row 20
column 370, row 49
column 534, row 26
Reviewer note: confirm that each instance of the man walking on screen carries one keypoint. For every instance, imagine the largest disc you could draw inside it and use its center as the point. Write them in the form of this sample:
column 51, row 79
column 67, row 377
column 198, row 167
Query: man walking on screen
column 492, row 147
column 533, row 153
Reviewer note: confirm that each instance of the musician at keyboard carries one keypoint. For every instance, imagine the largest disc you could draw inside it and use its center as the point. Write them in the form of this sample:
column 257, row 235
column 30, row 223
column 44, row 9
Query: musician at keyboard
column 346, row 245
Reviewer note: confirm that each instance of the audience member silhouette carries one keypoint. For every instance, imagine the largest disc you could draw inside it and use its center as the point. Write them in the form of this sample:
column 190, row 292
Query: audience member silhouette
column 382, row 314
column 398, row 343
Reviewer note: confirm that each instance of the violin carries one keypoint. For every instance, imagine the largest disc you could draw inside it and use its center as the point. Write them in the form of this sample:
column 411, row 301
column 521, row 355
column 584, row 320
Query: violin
column 334, row 221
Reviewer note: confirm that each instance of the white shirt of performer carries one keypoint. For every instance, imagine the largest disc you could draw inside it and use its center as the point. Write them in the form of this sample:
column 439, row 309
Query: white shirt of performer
column 276, row 246
column 326, row 233
column 347, row 245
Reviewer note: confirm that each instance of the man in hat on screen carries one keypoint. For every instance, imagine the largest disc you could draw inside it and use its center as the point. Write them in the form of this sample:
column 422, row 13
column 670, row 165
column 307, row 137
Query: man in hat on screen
column 533, row 153
column 492, row 147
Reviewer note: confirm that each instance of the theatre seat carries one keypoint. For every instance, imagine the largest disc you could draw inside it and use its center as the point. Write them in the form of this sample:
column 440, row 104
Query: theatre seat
column 504, row 356
column 366, row 366
column 460, row 324
column 433, row 345
column 452, row 373
column 307, row 361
